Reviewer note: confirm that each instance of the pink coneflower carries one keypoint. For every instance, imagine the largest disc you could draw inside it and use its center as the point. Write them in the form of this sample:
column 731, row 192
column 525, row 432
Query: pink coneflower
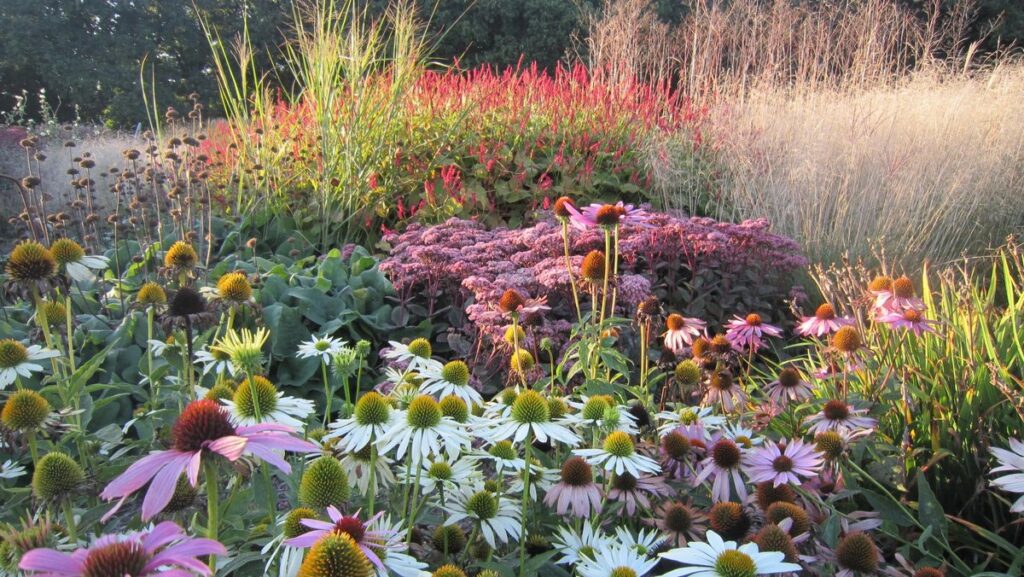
column 607, row 215
column 350, row 525
column 164, row 550
column 723, row 389
column 823, row 322
column 681, row 332
column 576, row 492
column 680, row 522
column 677, row 455
column 636, row 492
column 725, row 461
column 747, row 333
column 512, row 302
column 912, row 319
column 204, row 427
column 838, row 416
column 789, row 386
column 784, row 464
column 899, row 296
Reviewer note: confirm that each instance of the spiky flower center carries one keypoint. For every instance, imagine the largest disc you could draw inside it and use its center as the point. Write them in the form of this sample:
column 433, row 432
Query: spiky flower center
column 448, row 571
column 774, row 538
column 912, row 315
column 456, row 373
column 201, row 422
column 12, row 353
column 31, row 261
column 293, row 526
column 557, row 408
column 440, row 471
column 688, row 416
column 778, row 512
column 649, row 307
column 825, row 312
column 676, row 446
column 721, row 380
column 372, row 409
column 561, row 209
column 255, row 397
column 608, row 215
column 181, row 255
column 836, row 410
column 25, row 410
column 324, row 483
column 420, row 348
column 857, row 552
column 700, row 347
column 782, row 464
column 729, row 520
column 593, row 268
column 830, row 443
column 123, row 559
column 720, row 344
column 352, row 527
column 450, row 537
column 514, row 335
column 185, row 302
column 789, row 378
column 455, row 408
column 847, row 340
column 675, row 322
column 483, row 505
column 767, row 494
column 594, row 409
column 903, row 288
column 56, row 475
column 687, row 373
column 336, row 555
column 618, row 444
column 151, row 294
column 929, row 572
column 880, row 283
column 530, row 407
column 678, row 518
column 726, row 454
column 622, row 571
column 754, row 319
column 511, row 301
column 234, row 286
column 624, row 482
column 576, row 472
column 424, row 413
column 509, row 396
column 503, row 450
column 732, row 563
column 66, row 251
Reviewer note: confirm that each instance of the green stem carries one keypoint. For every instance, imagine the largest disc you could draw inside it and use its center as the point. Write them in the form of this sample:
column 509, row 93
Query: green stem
column 415, row 495
column 71, row 332
column 153, row 386
column 32, row 449
column 526, row 503
column 212, row 502
column 607, row 265
column 568, row 269
column 69, row 520
column 328, row 393
column 372, row 489
column 615, row 269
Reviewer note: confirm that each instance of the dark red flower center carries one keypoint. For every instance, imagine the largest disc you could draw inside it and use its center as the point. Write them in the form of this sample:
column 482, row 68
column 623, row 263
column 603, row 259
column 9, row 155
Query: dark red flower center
column 125, row 559
column 576, row 472
column 511, row 300
column 201, row 422
column 726, row 454
column 678, row 518
column 782, row 464
column 608, row 215
column 836, row 410
column 352, row 526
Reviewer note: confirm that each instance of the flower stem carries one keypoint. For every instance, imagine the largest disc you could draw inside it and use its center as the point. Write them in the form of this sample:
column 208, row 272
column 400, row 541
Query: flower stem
column 69, row 520
column 71, row 333
column 568, row 269
column 153, row 386
column 526, row 503
column 328, row 393
column 212, row 503
column 372, row 488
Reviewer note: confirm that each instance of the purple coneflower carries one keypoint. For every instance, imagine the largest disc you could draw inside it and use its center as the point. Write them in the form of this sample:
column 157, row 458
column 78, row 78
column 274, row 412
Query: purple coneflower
column 681, row 332
column 680, row 522
column 576, row 493
column 606, row 215
column 349, row 525
column 789, row 386
column 636, row 492
column 725, row 461
column 204, row 427
column 838, row 416
column 747, row 333
column 163, row 550
column 512, row 302
column 899, row 296
column 824, row 322
column 912, row 319
column 724, row 390
column 784, row 463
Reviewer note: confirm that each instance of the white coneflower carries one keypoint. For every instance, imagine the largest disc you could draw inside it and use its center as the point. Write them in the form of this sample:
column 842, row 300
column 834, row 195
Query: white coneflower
column 17, row 360
column 616, row 561
column 450, row 379
column 645, row 542
column 447, row 473
column 416, row 354
column 213, row 360
column 530, row 413
column 357, row 467
column 578, row 547
column 422, row 430
column 497, row 518
column 324, row 347
column 718, row 558
column 503, row 454
column 603, row 412
column 257, row 400
column 1011, row 460
column 369, row 421
column 619, row 455
column 684, row 415
column 72, row 258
